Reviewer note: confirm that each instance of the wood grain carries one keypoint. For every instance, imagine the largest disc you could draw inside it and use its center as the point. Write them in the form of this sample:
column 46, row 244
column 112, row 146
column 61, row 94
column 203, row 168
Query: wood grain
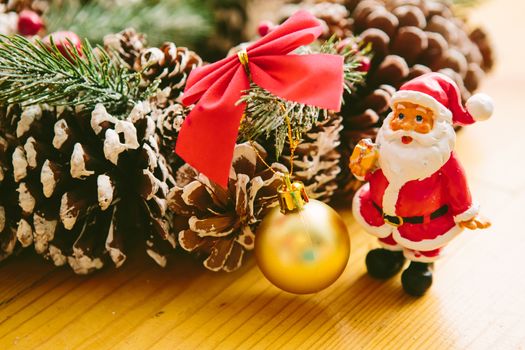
column 477, row 301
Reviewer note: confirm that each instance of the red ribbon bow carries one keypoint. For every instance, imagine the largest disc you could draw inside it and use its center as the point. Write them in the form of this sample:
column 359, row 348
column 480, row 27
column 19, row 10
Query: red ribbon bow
column 209, row 133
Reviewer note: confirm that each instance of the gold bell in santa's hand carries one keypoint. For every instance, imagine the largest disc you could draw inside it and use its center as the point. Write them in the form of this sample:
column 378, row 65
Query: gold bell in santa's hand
column 303, row 245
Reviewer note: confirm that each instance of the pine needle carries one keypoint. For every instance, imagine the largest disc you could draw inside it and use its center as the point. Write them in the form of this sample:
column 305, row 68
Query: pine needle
column 33, row 73
column 265, row 114
column 185, row 22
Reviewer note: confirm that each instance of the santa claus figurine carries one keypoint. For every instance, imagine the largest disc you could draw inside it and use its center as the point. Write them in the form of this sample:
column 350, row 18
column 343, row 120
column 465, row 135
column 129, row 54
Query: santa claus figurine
column 417, row 197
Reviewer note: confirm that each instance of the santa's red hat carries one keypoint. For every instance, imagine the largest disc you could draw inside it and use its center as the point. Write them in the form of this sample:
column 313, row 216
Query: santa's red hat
column 441, row 94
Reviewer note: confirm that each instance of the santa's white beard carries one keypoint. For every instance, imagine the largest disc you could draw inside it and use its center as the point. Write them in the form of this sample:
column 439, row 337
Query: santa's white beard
column 421, row 158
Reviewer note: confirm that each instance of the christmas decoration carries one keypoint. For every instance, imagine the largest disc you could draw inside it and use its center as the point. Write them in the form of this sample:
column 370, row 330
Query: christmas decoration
column 218, row 223
column 302, row 246
column 79, row 170
column 217, row 87
column 409, row 38
column 65, row 42
column 316, row 159
column 417, row 199
column 22, row 17
column 29, row 23
column 265, row 27
column 217, row 220
column 81, row 175
column 76, row 78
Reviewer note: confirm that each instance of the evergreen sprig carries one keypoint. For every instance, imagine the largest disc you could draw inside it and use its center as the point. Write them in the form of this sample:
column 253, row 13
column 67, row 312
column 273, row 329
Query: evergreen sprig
column 185, row 22
column 267, row 115
column 34, row 73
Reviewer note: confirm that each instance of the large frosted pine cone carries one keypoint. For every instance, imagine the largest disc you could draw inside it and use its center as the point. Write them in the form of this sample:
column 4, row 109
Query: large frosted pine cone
column 9, row 210
column 219, row 224
column 90, row 184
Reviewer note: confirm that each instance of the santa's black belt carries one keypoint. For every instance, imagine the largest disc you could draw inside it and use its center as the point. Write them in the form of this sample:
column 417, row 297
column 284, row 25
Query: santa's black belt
column 400, row 220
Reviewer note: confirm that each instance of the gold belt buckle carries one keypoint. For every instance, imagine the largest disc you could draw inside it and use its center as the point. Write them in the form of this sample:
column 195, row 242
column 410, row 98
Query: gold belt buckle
column 385, row 217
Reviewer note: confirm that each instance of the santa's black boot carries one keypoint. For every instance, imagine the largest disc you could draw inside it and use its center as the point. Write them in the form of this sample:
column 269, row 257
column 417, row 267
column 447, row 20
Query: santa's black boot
column 417, row 278
column 383, row 264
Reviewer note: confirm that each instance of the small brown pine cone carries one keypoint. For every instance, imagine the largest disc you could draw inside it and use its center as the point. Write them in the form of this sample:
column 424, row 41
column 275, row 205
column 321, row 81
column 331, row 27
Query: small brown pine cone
column 316, row 159
column 81, row 176
column 127, row 45
column 219, row 224
column 170, row 64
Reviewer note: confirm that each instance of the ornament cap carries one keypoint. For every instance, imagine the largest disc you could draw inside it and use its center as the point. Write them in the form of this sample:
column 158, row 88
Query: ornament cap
column 292, row 195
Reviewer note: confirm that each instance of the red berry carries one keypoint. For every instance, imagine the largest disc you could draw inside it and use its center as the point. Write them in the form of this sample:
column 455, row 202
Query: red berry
column 364, row 65
column 63, row 41
column 29, row 23
column 265, row 27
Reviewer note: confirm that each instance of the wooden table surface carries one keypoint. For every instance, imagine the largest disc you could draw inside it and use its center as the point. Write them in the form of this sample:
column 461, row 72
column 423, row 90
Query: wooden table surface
column 477, row 301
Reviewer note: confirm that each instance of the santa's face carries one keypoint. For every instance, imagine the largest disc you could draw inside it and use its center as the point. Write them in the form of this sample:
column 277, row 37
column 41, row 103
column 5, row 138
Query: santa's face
column 412, row 117
column 414, row 143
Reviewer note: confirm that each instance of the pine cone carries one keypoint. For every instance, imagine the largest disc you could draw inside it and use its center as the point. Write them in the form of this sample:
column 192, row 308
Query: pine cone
column 219, row 224
column 334, row 16
column 169, row 121
column 170, row 64
column 230, row 18
column 316, row 159
column 127, row 45
column 9, row 210
column 81, row 177
column 409, row 38
column 8, row 21
column 39, row 6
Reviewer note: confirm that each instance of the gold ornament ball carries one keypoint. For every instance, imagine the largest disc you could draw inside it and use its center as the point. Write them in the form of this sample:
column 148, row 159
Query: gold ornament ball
column 304, row 251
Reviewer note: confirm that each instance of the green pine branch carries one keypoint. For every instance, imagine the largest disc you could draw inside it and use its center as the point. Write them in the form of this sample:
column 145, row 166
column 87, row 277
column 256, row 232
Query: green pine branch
column 266, row 114
column 33, row 73
column 182, row 21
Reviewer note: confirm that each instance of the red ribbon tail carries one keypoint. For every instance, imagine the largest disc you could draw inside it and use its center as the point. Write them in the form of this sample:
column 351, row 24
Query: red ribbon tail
column 207, row 138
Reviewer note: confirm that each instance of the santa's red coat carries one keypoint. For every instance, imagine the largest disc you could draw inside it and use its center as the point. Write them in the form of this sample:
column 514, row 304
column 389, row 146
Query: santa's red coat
column 447, row 186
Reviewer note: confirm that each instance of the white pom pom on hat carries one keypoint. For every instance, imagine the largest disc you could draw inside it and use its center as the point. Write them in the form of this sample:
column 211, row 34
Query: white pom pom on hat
column 480, row 107
column 440, row 93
